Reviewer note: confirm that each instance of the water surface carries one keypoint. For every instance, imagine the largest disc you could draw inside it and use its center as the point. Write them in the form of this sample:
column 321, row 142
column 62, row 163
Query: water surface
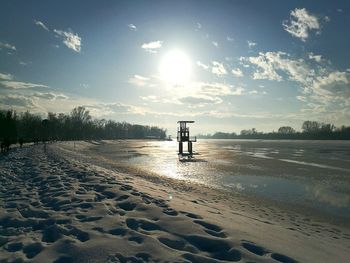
column 309, row 174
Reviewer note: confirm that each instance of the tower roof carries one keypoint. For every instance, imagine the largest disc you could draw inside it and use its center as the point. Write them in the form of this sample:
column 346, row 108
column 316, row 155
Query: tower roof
column 185, row 121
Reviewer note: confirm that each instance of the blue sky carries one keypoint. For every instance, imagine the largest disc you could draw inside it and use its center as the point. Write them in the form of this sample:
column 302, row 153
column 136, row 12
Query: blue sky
column 237, row 64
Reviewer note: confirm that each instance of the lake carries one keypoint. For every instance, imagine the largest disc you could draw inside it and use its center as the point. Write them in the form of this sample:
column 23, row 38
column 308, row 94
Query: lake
column 306, row 174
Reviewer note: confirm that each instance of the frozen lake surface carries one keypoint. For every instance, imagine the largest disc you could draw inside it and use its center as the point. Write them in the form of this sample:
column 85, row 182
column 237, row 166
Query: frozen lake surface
column 308, row 174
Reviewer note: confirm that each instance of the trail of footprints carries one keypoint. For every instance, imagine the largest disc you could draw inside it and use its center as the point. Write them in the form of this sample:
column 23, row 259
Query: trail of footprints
column 96, row 196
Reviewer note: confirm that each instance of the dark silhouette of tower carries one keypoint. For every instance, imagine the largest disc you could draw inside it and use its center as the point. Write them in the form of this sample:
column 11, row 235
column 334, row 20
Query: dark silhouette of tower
column 183, row 135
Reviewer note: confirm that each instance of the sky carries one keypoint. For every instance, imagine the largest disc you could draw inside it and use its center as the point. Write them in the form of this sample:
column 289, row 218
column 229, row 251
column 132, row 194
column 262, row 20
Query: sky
column 227, row 65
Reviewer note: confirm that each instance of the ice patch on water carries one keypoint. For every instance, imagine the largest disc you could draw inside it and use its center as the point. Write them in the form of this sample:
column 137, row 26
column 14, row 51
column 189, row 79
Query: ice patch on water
column 237, row 186
column 335, row 196
column 316, row 165
column 258, row 155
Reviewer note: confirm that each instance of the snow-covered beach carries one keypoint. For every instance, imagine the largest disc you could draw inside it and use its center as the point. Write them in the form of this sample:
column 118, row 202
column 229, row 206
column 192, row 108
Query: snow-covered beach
column 60, row 205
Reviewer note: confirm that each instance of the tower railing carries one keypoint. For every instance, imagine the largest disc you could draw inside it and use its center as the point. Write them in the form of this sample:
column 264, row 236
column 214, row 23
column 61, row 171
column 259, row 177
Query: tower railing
column 193, row 138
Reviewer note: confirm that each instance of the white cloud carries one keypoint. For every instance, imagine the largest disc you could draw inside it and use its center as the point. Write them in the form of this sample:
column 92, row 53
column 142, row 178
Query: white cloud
column 317, row 58
column 17, row 102
column 324, row 90
column 214, row 89
column 200, row 94
column 327, row 19
column 301, row 22
column 218, row 69
column 138, row 80
column 230, row 39
column 7, row 46
column 50, row 96
column 230, row 114
column 152, row 46
column 71, row 40
column 203, row 66
column 109, row 109
column 193, row 94
column 270, row 62
column 151, row 98
column 302, row 98
column 41, row 24
column 4, row 76
column 237, row 72
column 266, row 69
column 23, row 100
column 84, row 85
column 160, row 99
column 251, row 44
column 20, row 85
column 132, row 27
column 199, row 26
column 203, row 90
column 206, row 92
column 296, row 69
column 61, row 97
column 333, row 84
column 200, row 101
column 216, row 44
column 238, row 91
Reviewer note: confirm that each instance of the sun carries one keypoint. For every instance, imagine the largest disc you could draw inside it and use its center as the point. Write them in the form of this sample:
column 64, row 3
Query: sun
column 175, row 67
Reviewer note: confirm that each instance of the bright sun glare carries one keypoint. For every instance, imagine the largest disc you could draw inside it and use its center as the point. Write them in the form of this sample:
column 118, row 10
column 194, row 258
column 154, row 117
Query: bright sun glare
column 175, row 67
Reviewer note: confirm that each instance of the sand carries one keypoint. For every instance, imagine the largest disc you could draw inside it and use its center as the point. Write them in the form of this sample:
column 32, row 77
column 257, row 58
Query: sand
column 57, row 205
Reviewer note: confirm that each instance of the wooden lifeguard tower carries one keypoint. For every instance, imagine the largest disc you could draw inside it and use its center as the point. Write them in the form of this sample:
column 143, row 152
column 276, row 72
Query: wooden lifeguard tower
column 183, row 135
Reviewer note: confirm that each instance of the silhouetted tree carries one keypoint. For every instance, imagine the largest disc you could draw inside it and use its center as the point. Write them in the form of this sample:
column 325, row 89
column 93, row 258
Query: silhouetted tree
column 311, row 126
column 77, row 125
column 8, row 130
column 327, row 128
column 80, row 118
column 29, row 126
column 286, row 130
column 8, row 125
column 312, row 130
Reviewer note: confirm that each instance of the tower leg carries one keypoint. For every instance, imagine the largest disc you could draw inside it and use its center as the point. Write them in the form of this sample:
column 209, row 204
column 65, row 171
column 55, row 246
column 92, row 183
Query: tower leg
column 180, row 148
column 190, row 148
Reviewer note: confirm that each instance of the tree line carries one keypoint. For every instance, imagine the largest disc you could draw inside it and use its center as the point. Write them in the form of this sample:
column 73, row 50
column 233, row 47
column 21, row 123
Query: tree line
column 310, row 130
column 78, row 125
